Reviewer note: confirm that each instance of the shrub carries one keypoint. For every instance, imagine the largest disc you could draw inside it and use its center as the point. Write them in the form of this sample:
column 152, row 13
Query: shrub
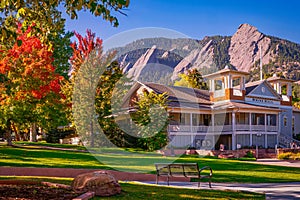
column 285, row 156
column 249, row 154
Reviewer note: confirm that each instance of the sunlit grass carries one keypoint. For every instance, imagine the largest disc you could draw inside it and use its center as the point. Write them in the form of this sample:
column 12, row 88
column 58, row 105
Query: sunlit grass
column 135, row 191
column 118, row 159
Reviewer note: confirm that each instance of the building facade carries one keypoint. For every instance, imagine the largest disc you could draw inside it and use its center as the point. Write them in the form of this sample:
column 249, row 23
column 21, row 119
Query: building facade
column 232, row 114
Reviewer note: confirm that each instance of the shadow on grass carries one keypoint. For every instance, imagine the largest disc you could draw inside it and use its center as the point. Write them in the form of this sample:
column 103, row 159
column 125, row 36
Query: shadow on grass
column 223, row 170
column 135, row 191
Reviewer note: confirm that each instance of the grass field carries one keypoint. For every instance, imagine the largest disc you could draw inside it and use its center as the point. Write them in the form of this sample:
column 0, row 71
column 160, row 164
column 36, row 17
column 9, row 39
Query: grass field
column 223, row 170
column 132, row 191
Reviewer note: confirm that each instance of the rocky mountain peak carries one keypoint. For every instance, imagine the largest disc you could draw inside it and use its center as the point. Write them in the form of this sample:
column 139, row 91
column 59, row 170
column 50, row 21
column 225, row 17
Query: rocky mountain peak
column 247, row 28
column 245, row 47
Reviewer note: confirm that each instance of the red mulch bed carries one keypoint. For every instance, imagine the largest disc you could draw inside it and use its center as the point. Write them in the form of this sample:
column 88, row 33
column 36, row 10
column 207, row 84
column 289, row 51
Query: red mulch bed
column 25, row 190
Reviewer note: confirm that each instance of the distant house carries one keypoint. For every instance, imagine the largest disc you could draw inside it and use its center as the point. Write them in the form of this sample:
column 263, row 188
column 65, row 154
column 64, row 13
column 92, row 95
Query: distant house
column 232, row 114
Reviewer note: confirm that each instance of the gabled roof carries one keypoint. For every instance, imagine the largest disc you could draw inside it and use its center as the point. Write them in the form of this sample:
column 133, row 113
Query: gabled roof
column 177, row 96
column 252, row 85
column 275, row 78
column 239, row 105
column 224, row 71
column 251, row 88
column 176, row 93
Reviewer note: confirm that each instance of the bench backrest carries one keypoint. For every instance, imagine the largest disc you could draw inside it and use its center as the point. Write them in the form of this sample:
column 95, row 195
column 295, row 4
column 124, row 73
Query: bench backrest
column 177, row 169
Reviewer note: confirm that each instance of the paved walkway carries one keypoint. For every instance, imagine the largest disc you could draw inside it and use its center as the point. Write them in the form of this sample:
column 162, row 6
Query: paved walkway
column 272, row 190
column 286, row 163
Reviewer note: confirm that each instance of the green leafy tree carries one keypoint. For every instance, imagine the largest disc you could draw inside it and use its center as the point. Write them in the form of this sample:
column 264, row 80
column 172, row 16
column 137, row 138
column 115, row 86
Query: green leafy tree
column 111, row 88
column 47, row 12
column 151, row 120
column 30, row 91
column 46, row 23
column 192, row 79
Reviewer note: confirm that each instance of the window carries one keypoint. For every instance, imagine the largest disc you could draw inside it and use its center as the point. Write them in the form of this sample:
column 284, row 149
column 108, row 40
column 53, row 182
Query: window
column 271, row 119
column 285, row 121
column 242, row 118
column 258, row 119
column 218, row 85
column 293, row 125
column 196, row 119
column 184, row 119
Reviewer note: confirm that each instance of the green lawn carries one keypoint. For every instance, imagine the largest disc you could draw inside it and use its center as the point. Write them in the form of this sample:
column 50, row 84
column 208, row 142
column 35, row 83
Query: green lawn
column 224, row 170
column 135, row 191
column 132, row 191
column 44, row 143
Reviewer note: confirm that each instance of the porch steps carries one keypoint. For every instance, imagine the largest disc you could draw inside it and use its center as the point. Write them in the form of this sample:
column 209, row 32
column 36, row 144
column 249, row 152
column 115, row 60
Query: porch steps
column 286, row 142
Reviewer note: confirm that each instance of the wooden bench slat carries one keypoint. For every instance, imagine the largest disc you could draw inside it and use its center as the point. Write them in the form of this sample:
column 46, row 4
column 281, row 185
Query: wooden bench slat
column 188, row 170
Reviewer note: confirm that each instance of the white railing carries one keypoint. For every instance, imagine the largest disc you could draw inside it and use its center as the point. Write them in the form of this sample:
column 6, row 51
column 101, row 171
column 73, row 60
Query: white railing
column 237, row 92
column 219, row 93
column 179, row 128
column 224, row 128
column 242, row 127
column 199, row 129
column 272, row 128
column 227, row 128
column 258, row 127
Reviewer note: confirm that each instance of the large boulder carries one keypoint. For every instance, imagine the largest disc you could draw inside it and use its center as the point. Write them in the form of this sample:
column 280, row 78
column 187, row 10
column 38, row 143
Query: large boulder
column 100, row 182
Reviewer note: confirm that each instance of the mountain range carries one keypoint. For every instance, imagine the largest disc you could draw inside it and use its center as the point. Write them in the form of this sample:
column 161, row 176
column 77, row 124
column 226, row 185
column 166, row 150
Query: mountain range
column 160, row 60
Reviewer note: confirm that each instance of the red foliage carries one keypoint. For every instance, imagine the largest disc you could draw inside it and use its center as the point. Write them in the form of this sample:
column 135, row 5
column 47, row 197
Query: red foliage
column 83, row 48
column 28, row 64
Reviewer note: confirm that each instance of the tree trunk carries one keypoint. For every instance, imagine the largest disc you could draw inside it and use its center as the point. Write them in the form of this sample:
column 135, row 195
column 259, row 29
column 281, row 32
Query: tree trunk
column 8, row 133
column 33, row 133
column 16, row 132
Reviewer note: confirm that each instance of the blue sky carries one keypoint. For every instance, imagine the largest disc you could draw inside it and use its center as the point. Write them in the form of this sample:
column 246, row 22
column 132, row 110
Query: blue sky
column 199, row 18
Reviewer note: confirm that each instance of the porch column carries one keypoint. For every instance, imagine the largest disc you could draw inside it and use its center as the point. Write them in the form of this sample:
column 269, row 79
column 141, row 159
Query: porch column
column 278, row 127
column 212, row 85
column 250, row 128
column 225, row 82
column 266, row 136
column 229, row 81
column 191, row 129
column 233, row 132
column 213, row 122
column 213, row 142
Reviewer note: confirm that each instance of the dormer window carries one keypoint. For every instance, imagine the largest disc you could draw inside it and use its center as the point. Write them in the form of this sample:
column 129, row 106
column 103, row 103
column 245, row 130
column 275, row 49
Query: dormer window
column 285, row 121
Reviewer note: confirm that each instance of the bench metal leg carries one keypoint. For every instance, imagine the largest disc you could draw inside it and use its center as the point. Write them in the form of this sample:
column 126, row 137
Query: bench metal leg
column 156, row 179
column 198, row 184
column 209, row 183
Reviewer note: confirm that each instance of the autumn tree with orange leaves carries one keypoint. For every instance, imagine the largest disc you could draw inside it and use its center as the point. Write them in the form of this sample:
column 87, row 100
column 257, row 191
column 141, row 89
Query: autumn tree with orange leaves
column 30, row 88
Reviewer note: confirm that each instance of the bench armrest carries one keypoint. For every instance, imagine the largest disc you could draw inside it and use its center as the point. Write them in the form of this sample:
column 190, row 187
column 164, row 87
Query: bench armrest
column 206, row 168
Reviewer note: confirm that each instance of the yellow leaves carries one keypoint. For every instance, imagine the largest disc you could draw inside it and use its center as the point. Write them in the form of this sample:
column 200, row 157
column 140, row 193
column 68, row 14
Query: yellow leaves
column 22, row 12
column 3, row 34
column 297, row 105
column 79, row 5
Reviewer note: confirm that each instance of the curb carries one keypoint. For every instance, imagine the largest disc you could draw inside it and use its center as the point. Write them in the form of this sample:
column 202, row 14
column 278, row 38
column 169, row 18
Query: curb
column 85, row 196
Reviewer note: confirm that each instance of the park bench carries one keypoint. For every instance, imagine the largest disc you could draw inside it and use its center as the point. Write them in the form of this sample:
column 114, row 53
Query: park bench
column 188, row 170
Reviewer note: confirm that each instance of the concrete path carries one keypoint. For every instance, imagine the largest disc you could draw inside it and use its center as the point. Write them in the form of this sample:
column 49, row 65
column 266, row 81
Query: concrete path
column 286, row 163
column 272, row 190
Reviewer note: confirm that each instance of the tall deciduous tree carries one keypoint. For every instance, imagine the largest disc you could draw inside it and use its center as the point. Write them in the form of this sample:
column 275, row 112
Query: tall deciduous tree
column 89, row 63
column 30, row 90
column 43, row 11
column 192, row 79
column 49, row 28
column 151, row 119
